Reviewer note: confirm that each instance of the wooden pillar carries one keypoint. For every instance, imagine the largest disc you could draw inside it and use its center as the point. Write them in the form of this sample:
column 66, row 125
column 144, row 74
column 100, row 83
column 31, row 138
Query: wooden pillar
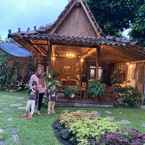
column 97, row 62
column 49, row 54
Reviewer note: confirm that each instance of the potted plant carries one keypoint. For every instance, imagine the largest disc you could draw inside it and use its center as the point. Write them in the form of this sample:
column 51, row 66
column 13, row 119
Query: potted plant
column 96, row 89
column 70, row 91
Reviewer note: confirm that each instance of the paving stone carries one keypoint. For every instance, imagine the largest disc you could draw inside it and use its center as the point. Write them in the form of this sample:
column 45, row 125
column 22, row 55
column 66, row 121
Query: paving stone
column 110, row 118
column 1, row 135
column 15, row 105
column 143, row 125
column 2, row 142
column 10, row 119
column 125, row 122
column 15, row 136
column 98, row 114
column 143, row 106
column 1, row 130
column 21, row 108
column 108, row 112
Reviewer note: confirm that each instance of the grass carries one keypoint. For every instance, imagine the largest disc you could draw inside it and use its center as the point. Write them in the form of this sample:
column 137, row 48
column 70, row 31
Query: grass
column 39, row 130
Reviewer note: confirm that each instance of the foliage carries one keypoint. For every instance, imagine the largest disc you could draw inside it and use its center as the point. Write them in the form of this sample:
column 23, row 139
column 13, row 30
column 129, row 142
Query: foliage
column 113, row 16
column 84, row 126
column 128, row 96
column 11, row 77
column 3, row 57
column 128, row 137
column 51, row 78
column 115, row 77
column 66, row 118
column 138, row 28
column 70, row 91
column 96, row 88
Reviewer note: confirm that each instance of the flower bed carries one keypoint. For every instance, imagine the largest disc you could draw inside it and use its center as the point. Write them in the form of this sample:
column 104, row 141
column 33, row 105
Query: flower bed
column 83, row 128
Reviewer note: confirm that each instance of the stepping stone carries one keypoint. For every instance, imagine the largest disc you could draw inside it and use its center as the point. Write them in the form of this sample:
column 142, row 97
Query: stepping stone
column 143, row 106
column 15, row 105
column 124, row 122
column 2, row 142
column 110, row 118
column 15, row 136
column 10, row 119
column 1, row 135
column 1, row 131
column 21, row 108
column 98, row 114
column 143, row 125
column 108, row 112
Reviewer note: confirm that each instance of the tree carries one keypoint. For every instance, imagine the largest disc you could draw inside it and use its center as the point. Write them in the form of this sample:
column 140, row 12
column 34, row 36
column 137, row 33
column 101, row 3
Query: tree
column 138, row 27
column 114, row 15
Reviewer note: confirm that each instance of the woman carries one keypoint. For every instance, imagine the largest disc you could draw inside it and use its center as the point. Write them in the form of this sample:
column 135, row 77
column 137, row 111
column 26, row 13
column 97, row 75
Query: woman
column 41, row 90
column 41, row 87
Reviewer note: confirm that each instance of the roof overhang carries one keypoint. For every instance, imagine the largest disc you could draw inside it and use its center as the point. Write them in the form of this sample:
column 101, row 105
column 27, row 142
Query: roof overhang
column 38, row 41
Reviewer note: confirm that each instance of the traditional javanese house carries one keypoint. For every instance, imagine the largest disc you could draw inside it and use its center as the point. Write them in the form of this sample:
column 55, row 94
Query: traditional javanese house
column 75, row 47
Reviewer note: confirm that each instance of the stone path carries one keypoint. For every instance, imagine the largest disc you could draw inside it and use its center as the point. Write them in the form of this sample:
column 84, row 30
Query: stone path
column 2, row 137
column 16, row 105
column 110, row 118
column 143, row 125
column 2, row 142
column 15, row 136
column 125, row 122
column 108, row 112
column 21, row 108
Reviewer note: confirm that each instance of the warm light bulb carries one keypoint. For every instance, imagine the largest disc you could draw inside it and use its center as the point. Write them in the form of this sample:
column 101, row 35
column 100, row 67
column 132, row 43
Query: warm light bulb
column 82, row 60
column 53, row 58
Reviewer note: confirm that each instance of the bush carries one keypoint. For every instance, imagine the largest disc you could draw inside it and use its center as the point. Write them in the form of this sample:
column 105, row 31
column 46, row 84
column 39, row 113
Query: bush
column 96, row 88
column 70, row 91
column 128, row 96
column 84, row 126
column 128, row 137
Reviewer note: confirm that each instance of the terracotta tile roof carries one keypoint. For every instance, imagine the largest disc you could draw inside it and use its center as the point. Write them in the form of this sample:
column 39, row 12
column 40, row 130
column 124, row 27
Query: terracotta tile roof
column 73, row 40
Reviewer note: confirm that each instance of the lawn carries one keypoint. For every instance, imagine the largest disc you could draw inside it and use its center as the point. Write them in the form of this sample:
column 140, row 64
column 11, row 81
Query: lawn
column 39, row 130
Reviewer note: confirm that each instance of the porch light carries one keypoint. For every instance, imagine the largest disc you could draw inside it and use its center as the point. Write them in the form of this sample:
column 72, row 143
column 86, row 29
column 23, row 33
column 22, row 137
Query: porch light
column 53, row 58
column 82, row 60
column 70, row 55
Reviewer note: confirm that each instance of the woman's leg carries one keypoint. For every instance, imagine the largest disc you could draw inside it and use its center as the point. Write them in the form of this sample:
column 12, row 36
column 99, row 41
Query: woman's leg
column 40, row 99
column 49, row 107
column 53, row 107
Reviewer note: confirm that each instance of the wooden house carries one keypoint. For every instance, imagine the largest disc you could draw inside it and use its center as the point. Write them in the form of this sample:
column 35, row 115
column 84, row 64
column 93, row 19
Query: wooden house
column 75, row 47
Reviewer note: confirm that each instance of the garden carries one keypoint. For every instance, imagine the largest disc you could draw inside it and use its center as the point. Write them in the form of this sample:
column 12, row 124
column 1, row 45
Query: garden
column 74, row 123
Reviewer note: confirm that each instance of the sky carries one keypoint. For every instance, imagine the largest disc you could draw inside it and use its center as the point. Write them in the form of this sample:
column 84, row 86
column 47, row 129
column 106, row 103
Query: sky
column 28, row 13
column 22, row 14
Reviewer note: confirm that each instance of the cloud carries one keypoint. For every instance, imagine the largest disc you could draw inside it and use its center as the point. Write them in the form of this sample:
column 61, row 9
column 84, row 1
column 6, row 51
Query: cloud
column 27, row 13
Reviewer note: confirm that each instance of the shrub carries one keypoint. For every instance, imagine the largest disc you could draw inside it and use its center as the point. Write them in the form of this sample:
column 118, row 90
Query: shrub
column 128, row 137
column 85, row 126
column 70, row 91
column 96, row 88
column 128, row 96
